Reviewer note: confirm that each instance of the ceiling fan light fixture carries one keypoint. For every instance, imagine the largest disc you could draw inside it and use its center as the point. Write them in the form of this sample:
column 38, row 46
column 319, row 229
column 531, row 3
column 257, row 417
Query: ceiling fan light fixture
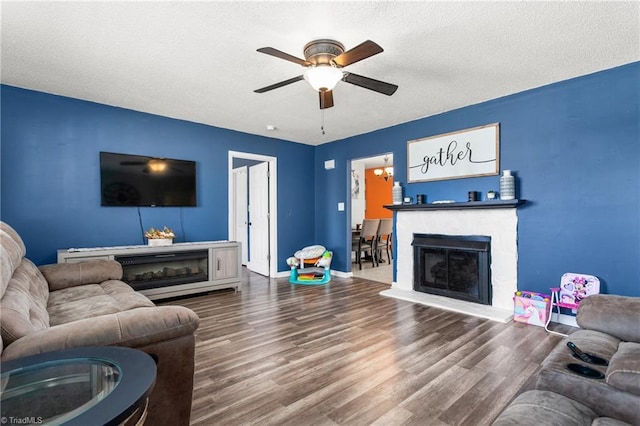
column 385, row 172
column 323, row 77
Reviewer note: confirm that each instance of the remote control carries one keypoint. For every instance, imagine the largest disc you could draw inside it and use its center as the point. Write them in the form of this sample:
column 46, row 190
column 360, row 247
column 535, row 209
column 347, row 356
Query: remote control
column 578, row 352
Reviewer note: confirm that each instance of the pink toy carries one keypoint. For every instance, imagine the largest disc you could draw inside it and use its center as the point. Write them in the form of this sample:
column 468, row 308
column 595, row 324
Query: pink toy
column 531, row 308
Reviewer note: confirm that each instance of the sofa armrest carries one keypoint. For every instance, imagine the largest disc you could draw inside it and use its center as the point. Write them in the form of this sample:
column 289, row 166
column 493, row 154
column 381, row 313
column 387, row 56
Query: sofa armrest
column 618, row 316
column 624, row 368
column 64, row 275
column 134, row 328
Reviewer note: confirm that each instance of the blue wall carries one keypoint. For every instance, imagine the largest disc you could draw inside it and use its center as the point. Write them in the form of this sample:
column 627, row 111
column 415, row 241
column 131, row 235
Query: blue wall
column 574, row 145
column 575, row 149
column 51, row 180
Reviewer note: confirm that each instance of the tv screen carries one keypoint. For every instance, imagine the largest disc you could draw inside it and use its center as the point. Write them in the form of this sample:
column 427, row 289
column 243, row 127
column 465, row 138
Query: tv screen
column 137, row 180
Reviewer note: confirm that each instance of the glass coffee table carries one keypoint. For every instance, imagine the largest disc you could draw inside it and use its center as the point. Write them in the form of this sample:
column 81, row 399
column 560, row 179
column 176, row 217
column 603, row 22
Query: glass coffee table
column 84, row 386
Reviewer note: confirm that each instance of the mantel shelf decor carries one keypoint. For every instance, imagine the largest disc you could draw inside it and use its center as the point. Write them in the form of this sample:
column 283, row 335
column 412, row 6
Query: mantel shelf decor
column 493, row 204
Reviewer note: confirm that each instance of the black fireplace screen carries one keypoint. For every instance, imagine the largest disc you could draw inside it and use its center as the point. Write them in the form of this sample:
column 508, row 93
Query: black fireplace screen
column 453, row 266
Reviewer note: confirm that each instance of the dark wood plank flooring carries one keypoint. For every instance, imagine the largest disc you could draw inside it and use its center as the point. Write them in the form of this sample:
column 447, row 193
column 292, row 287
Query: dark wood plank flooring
column 340, row 354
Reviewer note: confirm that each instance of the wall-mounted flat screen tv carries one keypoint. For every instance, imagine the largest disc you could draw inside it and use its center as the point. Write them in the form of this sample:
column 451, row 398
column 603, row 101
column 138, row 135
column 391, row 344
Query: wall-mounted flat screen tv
column 137, row 180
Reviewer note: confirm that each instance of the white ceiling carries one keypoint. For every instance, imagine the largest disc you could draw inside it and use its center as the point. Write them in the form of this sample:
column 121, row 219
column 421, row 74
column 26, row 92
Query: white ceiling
column 197, row 61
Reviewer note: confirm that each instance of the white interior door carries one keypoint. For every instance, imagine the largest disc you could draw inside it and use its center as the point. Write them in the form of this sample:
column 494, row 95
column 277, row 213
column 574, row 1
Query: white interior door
column 259, row 218
column 241, row 210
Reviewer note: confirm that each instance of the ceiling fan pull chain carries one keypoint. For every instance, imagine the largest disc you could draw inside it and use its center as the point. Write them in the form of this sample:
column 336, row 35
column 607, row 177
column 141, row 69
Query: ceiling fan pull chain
column 322, row 121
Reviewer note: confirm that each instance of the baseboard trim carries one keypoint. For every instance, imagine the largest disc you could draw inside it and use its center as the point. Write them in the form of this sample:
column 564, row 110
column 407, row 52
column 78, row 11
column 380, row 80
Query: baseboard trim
column 283, row 274
column 467, row 308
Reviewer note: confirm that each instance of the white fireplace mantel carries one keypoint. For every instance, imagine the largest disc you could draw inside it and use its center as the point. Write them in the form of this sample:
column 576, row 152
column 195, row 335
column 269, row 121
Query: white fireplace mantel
column 497, row 220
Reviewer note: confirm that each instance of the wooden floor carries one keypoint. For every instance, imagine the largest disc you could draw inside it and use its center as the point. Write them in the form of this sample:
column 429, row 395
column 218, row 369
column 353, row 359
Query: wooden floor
column 340, row 354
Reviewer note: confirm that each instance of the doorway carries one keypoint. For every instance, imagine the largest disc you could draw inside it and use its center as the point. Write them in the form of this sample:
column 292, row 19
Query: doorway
column 259, row 233
column 371, row 182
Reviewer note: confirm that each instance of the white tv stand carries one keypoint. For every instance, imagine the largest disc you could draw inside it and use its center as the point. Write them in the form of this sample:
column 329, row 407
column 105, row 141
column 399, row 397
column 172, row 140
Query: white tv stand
column 180, row 269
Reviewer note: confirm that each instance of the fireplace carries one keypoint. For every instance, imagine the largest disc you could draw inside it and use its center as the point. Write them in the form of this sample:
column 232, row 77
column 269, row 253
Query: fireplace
column 500, row 223
column 453, row 266
column 150, row 271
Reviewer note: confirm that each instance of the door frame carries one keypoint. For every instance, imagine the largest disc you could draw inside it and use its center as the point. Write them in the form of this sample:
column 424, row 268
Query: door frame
column 273, row 204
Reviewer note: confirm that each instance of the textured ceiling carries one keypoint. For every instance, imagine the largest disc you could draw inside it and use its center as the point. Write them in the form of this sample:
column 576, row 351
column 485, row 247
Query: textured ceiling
column 198, row 61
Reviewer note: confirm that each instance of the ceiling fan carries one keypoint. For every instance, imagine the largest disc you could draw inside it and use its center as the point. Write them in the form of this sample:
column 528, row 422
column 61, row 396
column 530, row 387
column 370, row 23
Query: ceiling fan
column 324, row 60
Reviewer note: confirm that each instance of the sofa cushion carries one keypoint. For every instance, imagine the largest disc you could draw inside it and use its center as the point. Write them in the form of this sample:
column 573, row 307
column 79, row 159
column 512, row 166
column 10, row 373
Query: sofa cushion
column 92, row 300
column 23, row 307
column 624, row 368
column 535, row 408
column 545, row 408
column 611, row 314
column 13, row 235
column 589, row 341
column 64, row 275
column 134, row 328
column 12, row 250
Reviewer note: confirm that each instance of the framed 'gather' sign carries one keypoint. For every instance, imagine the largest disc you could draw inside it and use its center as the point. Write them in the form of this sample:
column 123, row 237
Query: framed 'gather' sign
column 462, row 154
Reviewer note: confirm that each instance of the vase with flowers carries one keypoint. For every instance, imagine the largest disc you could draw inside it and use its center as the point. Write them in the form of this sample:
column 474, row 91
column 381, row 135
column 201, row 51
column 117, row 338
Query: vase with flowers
column 160, row 237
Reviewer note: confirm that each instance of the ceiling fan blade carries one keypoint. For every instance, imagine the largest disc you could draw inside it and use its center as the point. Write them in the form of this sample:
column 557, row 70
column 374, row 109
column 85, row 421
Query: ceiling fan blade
column 279, row 54
column 282, row 83
column 358, row 53
column 369, row 83
column 326, row 99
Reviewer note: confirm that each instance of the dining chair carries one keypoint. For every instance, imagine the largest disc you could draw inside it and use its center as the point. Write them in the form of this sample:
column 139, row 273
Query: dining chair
column 366, row 241
column 384, row 238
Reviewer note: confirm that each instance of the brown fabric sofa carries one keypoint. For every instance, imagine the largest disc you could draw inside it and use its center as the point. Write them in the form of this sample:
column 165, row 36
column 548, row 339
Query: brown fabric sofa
column 609, row 329
column 65, row 306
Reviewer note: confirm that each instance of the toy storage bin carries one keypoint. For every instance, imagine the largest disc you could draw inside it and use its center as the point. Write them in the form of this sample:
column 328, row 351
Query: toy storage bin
column 531, row 308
